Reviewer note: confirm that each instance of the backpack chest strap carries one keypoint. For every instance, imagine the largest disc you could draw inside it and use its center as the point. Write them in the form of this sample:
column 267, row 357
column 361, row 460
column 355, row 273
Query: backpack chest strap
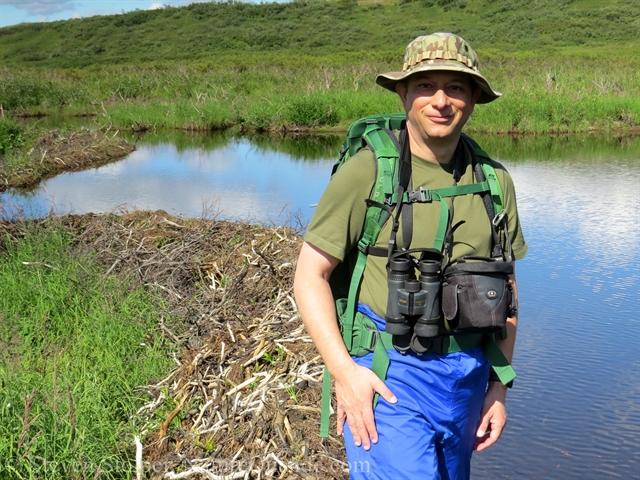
column 423, row 195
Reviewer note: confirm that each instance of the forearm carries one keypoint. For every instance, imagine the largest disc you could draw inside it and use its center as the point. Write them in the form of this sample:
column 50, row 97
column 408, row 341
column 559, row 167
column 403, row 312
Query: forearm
column 507, row 345
column 355, row 385
column 316, row 306
column 494, row 414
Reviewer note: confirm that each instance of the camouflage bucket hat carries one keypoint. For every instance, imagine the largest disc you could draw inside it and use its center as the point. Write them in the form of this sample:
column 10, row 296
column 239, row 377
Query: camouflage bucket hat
column 440, row 51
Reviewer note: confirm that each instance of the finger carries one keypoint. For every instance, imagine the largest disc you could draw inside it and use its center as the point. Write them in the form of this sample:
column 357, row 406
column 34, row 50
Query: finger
column 384, row 392
column 490, row 440
column 483, row 444
column 340, row 419
column 355, row 432
column 483, row 427
column 364, row 436
column 370, row 426
column 479, row 443
column 492, row 436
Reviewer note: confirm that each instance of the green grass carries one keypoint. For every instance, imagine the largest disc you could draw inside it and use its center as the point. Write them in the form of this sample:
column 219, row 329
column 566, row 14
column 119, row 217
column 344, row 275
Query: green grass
column 568, row 65
column 70, row 359
column 11, row 136
column 303, row 28
column 570, row 93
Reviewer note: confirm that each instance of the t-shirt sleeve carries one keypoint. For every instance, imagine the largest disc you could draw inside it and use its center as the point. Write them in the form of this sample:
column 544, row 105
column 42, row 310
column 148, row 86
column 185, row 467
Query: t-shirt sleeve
column 519, row 246
column 337, row 223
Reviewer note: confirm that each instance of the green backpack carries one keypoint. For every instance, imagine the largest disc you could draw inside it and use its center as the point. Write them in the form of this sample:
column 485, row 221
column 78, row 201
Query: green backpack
column 376, row 132
column 389, row 193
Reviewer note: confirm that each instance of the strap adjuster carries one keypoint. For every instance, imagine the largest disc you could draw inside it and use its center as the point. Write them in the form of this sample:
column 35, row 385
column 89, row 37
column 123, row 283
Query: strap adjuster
column 363, row 246
column 374, row 334
column 421, row 195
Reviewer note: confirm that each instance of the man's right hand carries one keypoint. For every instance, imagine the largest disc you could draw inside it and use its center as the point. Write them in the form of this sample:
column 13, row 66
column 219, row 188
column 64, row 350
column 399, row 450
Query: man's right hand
column 355, row 385
column 355, row 389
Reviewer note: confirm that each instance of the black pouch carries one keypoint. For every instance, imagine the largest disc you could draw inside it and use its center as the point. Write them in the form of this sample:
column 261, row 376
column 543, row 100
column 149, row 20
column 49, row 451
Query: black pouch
column 477, row 296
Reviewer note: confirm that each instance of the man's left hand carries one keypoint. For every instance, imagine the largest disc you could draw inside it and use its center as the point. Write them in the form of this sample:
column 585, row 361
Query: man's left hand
column 493, row 417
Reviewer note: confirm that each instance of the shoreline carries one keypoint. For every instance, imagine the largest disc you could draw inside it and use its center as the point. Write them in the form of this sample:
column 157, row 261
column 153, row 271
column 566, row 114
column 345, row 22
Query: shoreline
column 54, row 153
column 140, row 126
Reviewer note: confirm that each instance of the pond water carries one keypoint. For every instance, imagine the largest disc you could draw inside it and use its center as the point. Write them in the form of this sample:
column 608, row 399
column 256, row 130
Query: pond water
column 263, row 179
column 574, row 411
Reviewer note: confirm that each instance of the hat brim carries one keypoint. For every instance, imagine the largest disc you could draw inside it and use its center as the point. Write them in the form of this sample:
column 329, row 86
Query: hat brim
column 389, row 80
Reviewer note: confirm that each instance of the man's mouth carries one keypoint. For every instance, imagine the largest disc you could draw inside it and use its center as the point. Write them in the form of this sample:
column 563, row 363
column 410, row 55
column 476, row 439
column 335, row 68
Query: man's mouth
column 440, row 118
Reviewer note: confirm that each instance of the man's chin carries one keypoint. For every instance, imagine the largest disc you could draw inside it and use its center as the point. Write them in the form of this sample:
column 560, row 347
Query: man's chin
column 443, row 135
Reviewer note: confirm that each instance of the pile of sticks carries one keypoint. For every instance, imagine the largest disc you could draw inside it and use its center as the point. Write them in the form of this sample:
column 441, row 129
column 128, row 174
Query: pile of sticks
column 243, row 400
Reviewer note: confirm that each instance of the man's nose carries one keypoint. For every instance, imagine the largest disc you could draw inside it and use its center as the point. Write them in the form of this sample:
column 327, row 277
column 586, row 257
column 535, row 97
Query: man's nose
column 440, row 99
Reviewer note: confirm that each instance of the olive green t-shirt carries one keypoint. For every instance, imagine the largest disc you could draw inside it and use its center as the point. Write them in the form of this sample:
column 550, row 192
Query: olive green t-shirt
column 338, row 221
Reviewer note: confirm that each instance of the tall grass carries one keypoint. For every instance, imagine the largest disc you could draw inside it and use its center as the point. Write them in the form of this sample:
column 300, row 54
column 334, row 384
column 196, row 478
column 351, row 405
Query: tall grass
column 541, row 94
column 74, row 347
column 11, row 136
column 562, row 66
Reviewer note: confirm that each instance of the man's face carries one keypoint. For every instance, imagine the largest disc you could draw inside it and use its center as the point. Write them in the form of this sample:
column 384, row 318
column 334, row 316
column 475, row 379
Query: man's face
column 438, row 104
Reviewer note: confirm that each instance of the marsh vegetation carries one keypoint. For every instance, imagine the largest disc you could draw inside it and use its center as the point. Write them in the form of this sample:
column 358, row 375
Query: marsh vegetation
column 567, row 66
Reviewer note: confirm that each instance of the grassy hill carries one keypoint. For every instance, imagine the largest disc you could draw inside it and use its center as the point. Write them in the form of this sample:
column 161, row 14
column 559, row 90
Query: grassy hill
column 564, row 65
column 202, row 31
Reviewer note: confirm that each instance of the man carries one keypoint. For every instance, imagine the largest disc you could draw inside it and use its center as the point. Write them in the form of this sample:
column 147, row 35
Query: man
column 435, row 408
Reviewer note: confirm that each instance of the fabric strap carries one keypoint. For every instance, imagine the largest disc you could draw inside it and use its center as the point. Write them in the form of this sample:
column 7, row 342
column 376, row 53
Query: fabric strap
column 370, row 339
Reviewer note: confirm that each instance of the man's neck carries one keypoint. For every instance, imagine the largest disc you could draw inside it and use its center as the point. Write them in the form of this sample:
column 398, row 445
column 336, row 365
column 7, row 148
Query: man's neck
column 433, row 150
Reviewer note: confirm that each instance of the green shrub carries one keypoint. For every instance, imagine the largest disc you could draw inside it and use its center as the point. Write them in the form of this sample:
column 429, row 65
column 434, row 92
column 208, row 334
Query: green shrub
column 311, row 110
column 262, row 114
column 29, row 91
column 10, row 136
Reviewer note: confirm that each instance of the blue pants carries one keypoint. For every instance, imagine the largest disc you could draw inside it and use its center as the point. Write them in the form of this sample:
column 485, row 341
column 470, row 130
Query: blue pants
column 430, row 432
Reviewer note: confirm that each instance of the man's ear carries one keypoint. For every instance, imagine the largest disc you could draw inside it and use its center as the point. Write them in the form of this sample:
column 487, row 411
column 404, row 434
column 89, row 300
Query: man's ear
column 476, row 94
column 401, row 90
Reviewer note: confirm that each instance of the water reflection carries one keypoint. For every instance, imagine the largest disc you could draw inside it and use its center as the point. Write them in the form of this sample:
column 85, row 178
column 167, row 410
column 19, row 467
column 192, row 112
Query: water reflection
column 261, row 179
column 575, row 412
column 576, row 148
column 575, row 409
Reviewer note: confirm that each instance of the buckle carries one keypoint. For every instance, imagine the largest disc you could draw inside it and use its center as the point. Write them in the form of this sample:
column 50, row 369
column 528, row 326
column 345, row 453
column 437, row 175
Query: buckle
column 421, row 195
column 425, row 195
column 375, row 336
column 363, row 246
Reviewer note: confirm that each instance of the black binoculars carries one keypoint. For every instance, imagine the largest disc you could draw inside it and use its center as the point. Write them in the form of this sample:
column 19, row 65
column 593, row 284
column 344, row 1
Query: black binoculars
column 413, row 304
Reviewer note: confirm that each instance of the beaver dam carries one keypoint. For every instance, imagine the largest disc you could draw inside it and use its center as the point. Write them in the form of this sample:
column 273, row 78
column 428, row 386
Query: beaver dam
column 243, row 398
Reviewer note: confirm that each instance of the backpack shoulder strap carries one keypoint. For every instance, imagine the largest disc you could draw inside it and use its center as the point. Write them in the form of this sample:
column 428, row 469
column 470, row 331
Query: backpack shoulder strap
column 384, row 146
column 376, row 133
column 495, row 206
column 490, row 174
